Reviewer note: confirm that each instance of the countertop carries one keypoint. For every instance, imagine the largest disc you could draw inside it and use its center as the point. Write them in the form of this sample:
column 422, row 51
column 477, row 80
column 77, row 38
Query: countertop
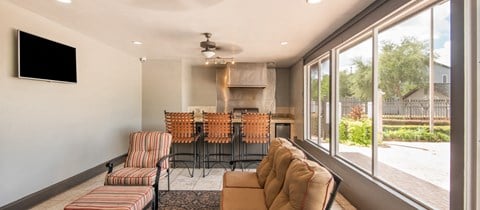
column 273, row 120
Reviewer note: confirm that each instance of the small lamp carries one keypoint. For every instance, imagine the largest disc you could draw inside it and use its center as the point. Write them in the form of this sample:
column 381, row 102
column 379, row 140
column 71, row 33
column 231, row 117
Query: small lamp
column 313, row 1
column 208, row 53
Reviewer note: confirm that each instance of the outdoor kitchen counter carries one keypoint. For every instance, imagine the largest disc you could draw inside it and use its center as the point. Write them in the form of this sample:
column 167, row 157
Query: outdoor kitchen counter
column 274, row 120
column 282, row 120
column 287, row 124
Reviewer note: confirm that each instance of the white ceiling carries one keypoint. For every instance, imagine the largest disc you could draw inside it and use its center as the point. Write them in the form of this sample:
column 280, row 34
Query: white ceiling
column 248, row 30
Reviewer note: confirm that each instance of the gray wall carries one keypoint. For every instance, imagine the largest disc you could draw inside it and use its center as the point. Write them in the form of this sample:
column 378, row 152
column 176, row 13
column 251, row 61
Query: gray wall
column 51, row 131
column 282, row 92
column 203, row 86
column 173, row 85
column 296, row 96
column 161, row 90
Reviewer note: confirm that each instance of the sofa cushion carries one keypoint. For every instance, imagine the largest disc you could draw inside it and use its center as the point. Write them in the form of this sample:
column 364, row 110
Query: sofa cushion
column 242, row 199
column 307, row 186
column 265, row 166
column 240, row 179
column 276, row 178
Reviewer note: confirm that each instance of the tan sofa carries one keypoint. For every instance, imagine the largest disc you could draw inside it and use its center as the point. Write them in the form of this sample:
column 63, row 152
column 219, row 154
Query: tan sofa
column 284, row 180
column 258, row 178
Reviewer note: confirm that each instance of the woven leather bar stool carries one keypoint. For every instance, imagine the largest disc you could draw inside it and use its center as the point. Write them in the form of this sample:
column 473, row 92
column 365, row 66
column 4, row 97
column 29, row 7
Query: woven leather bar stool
column 255, row 129
column 217, row 131
column 182, row 127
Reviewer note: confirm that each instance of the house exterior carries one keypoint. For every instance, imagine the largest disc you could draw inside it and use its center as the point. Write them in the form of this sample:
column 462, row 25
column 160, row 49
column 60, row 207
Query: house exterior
column 441, row 85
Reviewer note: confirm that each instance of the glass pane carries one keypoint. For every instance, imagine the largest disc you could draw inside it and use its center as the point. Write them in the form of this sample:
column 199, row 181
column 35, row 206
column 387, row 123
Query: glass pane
column 412, row 155
column 355, row 104
column 314, row 75
column 324, row 103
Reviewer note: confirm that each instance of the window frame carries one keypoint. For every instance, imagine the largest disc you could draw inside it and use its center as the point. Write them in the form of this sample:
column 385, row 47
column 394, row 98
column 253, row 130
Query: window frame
column 350, row 43
column 390, row 20
column 307, row 100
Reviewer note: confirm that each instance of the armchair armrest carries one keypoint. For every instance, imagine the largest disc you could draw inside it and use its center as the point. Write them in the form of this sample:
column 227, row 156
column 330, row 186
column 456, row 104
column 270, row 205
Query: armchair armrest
column 159, row 167
column 109, row 165
column 159, row 162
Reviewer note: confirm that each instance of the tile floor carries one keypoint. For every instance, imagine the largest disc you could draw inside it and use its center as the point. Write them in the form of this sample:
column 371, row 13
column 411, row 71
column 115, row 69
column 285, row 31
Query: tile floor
column 179, row 180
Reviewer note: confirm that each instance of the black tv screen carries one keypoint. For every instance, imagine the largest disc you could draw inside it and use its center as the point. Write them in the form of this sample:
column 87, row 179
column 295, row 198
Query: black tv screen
column 43, row 59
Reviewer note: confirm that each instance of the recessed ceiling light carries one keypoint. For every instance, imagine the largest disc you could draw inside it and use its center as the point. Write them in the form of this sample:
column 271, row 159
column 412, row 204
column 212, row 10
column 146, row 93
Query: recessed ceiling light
column 283, row 43
column 65, row 1
column 137, row 42
column 313, row 1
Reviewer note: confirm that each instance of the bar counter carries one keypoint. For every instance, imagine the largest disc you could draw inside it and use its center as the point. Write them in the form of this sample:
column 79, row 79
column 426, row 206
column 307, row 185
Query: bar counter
column 273, row 121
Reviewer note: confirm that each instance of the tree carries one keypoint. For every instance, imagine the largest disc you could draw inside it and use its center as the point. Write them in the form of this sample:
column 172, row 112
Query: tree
column 403, row 67
column 362, row 87
column 325, row 87
column 314, row 82
column 346, row 84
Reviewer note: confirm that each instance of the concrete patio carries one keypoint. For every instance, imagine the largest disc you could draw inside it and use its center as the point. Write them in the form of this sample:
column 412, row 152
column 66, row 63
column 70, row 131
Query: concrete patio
column 419, row 169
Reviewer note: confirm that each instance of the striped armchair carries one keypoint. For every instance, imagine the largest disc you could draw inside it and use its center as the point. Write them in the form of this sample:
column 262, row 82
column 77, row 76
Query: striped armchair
column 147, row 161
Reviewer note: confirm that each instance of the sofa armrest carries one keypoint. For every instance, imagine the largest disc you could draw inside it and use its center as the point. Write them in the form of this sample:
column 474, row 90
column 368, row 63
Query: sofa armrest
column 233, row 163
column 337, row 179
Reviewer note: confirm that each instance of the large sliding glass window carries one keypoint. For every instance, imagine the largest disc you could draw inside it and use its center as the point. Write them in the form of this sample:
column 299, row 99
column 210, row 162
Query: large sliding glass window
column 313, row 122
column 318, row 120
column 392, row 103
column 415, row 122
column 354, row 106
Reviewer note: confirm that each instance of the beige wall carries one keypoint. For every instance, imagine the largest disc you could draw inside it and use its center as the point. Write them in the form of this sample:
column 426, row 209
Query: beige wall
column 51, row 131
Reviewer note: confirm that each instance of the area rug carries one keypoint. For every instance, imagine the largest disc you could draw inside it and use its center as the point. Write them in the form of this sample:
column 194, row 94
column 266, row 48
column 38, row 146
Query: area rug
column 189, row 200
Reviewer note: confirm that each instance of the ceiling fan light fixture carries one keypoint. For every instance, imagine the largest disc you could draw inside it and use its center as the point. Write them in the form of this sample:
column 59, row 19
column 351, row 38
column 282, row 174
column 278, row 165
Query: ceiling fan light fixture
column 65, row 1
column 208, row 53
column 313, row 1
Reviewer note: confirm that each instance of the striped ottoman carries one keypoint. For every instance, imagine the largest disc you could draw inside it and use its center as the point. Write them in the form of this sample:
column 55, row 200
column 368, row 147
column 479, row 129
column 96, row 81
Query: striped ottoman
column 114, row 197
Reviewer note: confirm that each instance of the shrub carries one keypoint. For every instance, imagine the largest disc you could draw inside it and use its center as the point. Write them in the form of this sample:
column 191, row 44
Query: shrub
column 416, row 133
column 343, row 131
column 355, row 132
column 359, row 132
column 356, row 112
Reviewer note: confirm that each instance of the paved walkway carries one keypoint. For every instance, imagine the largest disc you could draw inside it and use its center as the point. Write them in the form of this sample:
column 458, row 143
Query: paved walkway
column 422, row 169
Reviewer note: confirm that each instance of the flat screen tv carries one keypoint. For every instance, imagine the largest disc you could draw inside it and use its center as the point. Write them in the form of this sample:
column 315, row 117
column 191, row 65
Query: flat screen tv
column 43, row 59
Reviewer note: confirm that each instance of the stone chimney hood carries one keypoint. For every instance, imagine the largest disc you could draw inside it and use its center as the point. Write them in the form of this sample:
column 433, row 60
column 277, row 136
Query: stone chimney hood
column 247, row 75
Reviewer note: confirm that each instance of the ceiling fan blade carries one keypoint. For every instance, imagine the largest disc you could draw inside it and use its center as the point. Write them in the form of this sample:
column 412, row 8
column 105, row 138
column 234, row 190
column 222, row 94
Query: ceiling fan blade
column 228, row 48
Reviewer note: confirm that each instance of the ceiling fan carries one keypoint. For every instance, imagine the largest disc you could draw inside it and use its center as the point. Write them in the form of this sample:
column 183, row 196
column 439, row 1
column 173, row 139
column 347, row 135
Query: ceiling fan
column 208, row 46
